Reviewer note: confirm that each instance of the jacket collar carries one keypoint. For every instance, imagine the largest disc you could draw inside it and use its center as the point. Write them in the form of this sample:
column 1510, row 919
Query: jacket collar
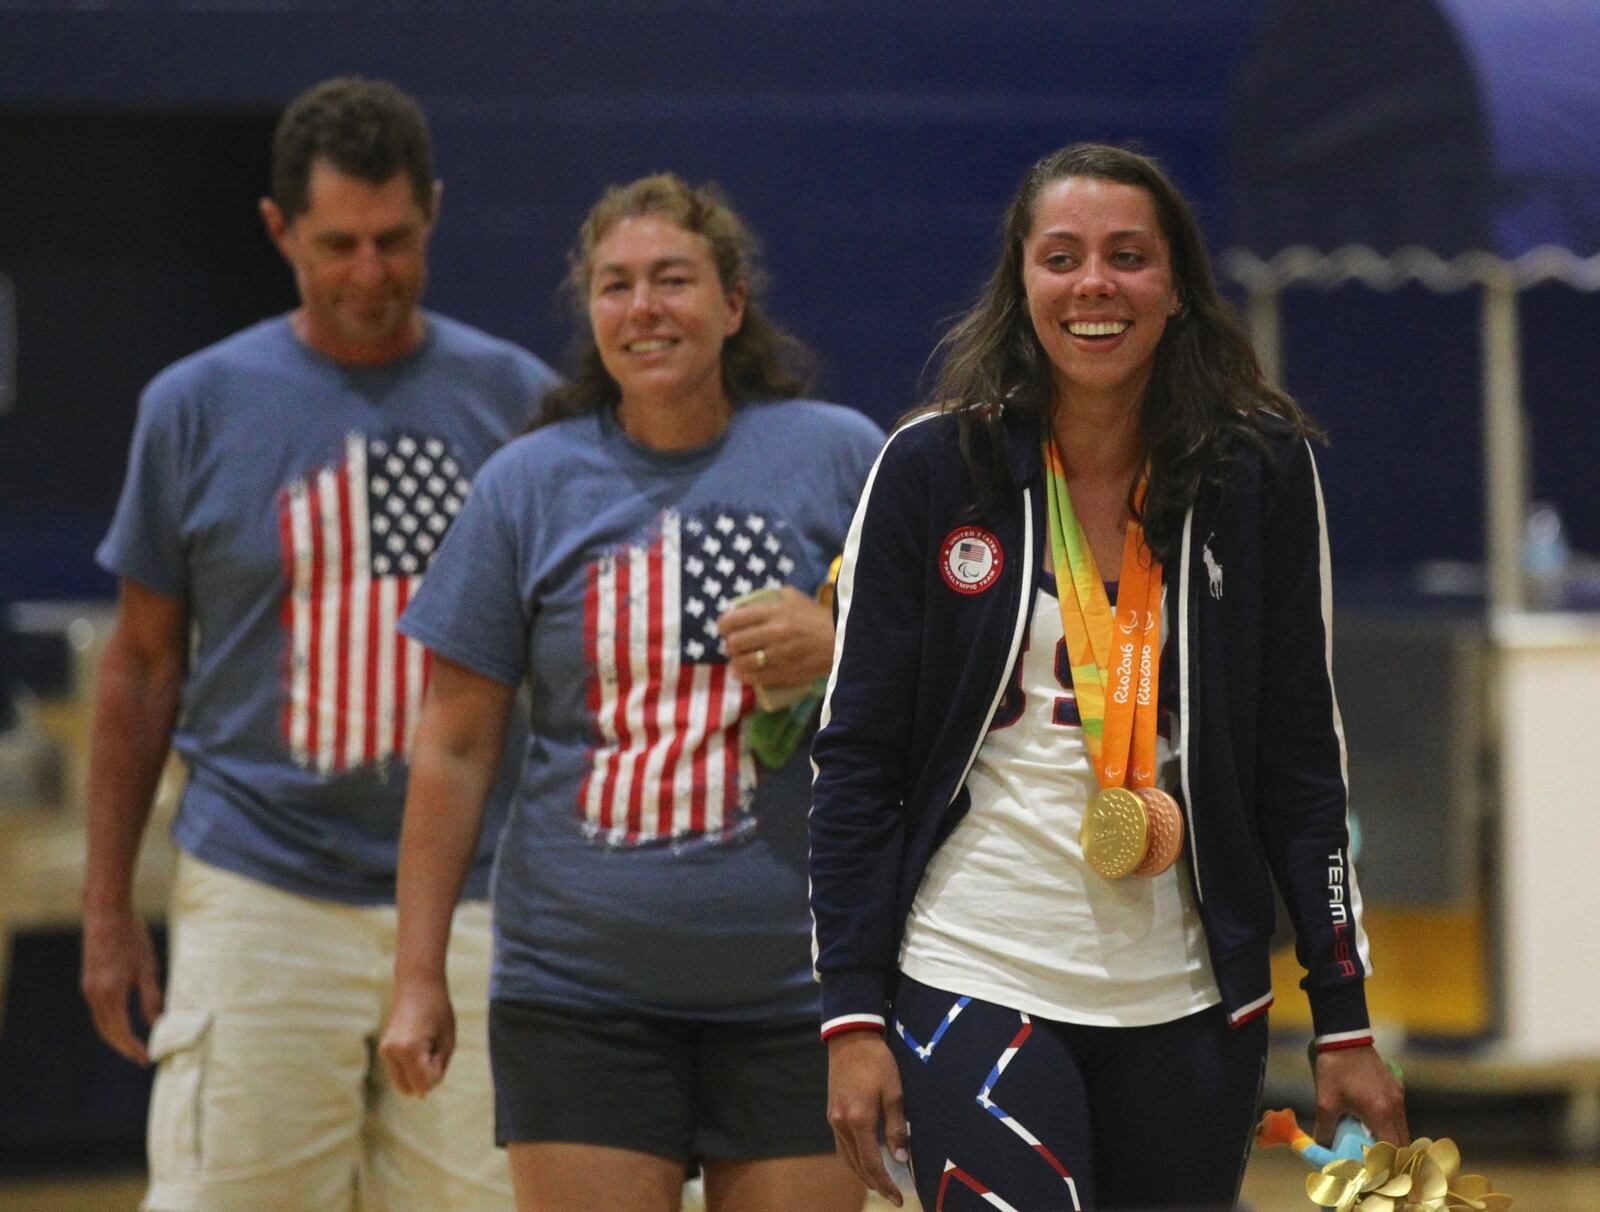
column 1022, row 441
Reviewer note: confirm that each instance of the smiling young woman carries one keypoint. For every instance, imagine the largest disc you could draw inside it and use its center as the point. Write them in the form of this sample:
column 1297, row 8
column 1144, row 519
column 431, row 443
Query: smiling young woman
column 1049, row 862
column 1097, row 274
column 1098, row 278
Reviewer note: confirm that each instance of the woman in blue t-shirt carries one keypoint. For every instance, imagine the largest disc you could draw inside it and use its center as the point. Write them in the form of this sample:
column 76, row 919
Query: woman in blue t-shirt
column 651, row 1003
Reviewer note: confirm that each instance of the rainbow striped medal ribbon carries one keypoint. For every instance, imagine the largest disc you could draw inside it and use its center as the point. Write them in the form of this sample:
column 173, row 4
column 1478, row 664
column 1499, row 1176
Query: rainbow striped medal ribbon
column 1131, row 826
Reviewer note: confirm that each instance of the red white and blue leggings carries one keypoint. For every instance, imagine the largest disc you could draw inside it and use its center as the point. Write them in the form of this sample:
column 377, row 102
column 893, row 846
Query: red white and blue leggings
column 1009, row 1111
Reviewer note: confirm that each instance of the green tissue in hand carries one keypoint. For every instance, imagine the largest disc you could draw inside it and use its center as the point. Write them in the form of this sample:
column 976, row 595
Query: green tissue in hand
column 774, row 735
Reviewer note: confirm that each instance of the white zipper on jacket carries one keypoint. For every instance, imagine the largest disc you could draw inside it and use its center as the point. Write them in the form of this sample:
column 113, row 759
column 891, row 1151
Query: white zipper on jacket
column 1029, row 563
column 1184, row 564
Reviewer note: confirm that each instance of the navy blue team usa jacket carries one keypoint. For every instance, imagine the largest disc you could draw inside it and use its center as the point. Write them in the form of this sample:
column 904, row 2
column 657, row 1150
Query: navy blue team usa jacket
column 934, row 602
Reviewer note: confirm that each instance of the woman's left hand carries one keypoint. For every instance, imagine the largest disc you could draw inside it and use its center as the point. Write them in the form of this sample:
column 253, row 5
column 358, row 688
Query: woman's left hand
column 784, row 642
column 1356, row 1081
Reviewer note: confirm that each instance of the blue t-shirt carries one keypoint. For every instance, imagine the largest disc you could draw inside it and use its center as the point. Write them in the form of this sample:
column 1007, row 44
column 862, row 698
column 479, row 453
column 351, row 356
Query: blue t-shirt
column 650, row 864
column 292, row 503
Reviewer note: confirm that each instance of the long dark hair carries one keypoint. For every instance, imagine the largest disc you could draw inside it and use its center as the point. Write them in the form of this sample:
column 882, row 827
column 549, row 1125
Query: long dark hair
column 760, row 362
column 1206, row 383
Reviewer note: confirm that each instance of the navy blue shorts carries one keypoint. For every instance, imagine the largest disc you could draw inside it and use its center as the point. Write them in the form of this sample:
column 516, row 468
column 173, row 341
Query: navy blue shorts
column 680, row 1088
column 1055, row 1117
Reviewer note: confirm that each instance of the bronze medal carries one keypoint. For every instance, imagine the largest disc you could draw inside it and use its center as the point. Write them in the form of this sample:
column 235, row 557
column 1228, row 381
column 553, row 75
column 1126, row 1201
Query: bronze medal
column 1165, row 831
column 1115, row 832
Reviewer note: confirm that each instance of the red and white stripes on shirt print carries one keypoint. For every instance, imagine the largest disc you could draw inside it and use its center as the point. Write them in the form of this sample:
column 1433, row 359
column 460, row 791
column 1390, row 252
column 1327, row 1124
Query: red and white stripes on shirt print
column 356, row 537
column 672, row 760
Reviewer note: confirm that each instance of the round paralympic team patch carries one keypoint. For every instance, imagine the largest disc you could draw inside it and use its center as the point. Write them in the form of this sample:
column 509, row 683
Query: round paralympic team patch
column 970, row 559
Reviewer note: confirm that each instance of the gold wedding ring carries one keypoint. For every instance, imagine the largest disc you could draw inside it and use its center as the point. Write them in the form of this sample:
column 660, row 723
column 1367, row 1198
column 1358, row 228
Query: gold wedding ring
column 761, row 658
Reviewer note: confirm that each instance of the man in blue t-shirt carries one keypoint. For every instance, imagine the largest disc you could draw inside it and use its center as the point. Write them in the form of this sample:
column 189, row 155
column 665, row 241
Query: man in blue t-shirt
column 286, row 490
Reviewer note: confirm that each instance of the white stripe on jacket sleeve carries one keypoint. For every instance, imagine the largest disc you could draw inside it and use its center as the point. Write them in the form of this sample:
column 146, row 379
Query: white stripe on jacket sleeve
column 843, row 594
column 1325, row 574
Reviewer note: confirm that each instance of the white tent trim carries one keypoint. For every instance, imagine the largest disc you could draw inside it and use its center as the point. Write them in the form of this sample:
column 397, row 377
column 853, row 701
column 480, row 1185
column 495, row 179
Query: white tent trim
column 1500, row 349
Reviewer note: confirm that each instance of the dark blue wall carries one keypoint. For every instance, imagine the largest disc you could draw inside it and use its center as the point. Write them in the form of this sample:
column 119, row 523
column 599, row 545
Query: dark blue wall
column 871, row 144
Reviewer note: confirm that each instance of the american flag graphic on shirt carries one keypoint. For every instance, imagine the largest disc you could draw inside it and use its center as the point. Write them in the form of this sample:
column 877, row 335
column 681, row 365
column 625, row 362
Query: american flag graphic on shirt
column 356, row 536
column 671, row 761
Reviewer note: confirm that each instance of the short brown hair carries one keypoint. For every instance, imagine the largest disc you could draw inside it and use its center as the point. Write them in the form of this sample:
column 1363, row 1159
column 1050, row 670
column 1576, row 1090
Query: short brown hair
column 365, row 128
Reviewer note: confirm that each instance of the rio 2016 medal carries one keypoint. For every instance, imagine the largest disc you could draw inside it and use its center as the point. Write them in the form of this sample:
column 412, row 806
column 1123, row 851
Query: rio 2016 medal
column 1115, row 832
column 1131, row 832
column 1166, row 831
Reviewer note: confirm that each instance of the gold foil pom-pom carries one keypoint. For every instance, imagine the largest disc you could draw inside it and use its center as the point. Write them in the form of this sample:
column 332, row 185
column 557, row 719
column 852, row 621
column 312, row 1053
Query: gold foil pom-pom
column 1369, row 1185
column 1425, row 1176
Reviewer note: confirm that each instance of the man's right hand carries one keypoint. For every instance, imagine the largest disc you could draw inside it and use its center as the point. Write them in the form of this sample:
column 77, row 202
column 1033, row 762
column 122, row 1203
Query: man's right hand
column 118, row 958
column 135, row 705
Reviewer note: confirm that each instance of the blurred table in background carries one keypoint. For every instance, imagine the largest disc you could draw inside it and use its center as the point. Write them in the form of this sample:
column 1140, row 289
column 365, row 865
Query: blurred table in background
column 42, row 848
column 1475, row 781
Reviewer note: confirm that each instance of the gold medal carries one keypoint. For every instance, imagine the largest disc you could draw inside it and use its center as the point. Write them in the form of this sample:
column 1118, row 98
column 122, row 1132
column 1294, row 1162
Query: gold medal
column 1131, row 832
column 1115, row 832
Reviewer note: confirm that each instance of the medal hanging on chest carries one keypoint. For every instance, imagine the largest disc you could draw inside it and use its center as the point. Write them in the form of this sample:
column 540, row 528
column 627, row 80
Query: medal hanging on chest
column 1131, row 826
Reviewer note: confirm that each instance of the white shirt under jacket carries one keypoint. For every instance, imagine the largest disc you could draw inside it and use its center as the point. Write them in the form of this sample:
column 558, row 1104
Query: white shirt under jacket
column 1009, row 912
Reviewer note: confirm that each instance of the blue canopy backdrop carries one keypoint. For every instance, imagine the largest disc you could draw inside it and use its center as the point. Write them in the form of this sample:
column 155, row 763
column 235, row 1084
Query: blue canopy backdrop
column 1462, row 129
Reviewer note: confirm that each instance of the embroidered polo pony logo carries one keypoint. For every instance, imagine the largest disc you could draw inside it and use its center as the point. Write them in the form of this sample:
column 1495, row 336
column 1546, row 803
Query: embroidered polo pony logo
column 1213, row 570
